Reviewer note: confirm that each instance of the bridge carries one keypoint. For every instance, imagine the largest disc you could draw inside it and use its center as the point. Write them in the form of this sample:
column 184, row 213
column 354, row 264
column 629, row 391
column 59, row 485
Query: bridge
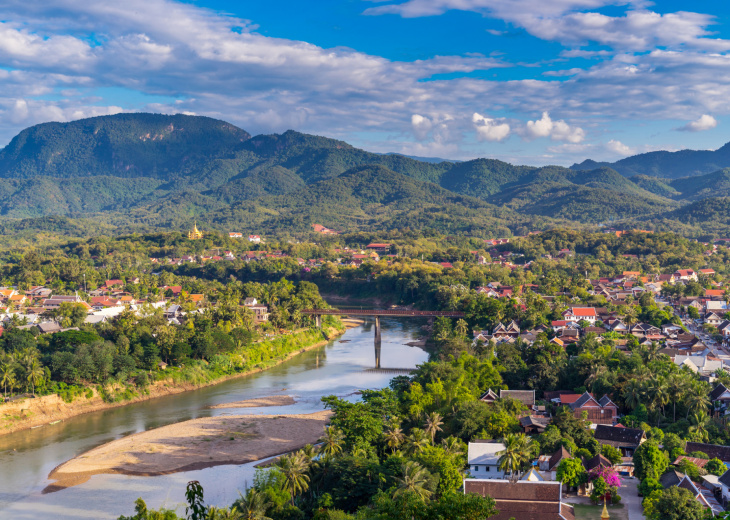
column 377, row 313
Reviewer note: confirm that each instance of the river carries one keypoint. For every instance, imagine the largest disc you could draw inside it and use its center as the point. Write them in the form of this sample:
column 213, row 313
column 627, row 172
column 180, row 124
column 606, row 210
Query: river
column 27, row 457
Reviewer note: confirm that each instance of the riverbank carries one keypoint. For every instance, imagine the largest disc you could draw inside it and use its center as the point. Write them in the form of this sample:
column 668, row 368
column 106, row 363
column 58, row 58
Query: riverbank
column 193, row 445
column 30, row 413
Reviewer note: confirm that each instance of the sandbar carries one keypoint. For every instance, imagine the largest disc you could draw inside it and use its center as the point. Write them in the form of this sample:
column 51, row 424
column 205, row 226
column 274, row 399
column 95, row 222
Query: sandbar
column 259, row 402
column 192, row 445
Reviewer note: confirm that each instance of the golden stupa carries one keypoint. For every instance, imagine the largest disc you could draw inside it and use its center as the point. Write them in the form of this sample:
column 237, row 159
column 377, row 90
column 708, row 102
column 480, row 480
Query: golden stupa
column 195, row 233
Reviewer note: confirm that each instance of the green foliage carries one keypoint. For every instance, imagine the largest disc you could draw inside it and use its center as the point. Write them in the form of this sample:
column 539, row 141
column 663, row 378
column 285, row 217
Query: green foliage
column 649, row 461
column 673, row 503
column 571, row 472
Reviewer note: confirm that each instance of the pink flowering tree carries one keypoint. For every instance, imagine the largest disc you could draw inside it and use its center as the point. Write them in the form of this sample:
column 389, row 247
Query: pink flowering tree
column 610, row 476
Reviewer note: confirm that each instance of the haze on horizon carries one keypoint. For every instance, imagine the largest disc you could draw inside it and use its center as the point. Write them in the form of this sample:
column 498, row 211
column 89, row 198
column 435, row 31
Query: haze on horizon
column 525, row 81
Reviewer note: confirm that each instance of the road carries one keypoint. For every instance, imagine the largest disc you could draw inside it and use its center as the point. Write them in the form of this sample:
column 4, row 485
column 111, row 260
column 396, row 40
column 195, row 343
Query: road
column 631, row 499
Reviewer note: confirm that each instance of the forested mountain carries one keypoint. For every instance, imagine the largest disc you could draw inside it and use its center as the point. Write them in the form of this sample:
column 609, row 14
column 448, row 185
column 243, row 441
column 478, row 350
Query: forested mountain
column 147, row 171
column 668, row 165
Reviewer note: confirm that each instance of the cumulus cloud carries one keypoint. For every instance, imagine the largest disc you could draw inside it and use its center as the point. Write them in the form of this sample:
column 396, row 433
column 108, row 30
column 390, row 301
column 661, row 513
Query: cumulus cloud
column 556, row 130
column 705, row 122
column 490, row 129
column 619, row 148
column 421, row 126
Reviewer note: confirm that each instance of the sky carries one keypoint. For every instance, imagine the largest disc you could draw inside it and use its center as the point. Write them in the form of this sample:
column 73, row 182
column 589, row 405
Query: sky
column 525, row 81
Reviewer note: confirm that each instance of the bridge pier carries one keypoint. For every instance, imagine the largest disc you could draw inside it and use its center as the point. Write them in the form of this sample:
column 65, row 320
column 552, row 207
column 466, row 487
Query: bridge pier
column 377, row 342
column 318, row 320
column 377, row 352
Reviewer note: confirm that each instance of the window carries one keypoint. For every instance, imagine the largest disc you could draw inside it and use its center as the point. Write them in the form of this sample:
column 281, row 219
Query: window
column 488, row 468
column 476, row 468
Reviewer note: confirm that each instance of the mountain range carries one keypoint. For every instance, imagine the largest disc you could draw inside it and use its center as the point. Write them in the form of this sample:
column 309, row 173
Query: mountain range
column 132, row 172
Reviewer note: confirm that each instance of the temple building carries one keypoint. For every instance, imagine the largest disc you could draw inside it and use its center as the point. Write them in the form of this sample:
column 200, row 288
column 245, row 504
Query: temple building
column 195, row 234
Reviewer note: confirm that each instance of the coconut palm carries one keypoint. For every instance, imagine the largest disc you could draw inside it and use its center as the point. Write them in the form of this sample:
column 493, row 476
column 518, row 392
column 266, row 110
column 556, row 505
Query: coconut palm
column 676, row 387
column 394, row 438
column 7, row 377
column 700, row 422
column 253, row 506
column 309, row 452
column 418, row 440
column 294, row 470
column 34, row 374
column 517, row 452
column 414, row 480
column 658, row 392
column 216, row 513
column 433, row 425
column 697, row 401
column 332, row 440
column 632, row 393
column 453, row 445
column 462, row 327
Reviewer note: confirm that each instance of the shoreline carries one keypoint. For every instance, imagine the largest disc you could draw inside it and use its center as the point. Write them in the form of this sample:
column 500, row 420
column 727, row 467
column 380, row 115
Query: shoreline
column 193, row 445
column 52, row 408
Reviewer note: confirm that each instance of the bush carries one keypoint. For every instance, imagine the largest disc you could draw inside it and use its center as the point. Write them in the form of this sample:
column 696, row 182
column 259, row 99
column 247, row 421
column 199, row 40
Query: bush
column 141, row 380
column 649, row 485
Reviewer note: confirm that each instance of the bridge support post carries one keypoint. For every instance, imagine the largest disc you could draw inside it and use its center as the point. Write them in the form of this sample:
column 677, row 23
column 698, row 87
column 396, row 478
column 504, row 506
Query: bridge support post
column 318, row 320
column 377, row 342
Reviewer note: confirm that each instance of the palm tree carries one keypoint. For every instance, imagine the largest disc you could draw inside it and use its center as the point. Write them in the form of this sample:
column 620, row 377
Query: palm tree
column 676, row 388
column 632, row 393
column 659, row 392
column 216, row 513
column 462, row 327
column 697, row 401
column 433, row 425
column 516, row 454
column 294, row 470
column 253, row 506
column 414, row 480
column 34, row 374
column 394, row 438
column 453, row 445
column 332, row 439
column 700, row 422
column 417, row 441
column 7, row 377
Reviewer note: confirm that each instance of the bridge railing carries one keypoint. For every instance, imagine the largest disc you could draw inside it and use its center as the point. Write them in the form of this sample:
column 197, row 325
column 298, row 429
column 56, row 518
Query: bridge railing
column 382, row 312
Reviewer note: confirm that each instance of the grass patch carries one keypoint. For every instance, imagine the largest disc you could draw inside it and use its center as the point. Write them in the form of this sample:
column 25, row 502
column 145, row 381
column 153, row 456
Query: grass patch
column 587, row 512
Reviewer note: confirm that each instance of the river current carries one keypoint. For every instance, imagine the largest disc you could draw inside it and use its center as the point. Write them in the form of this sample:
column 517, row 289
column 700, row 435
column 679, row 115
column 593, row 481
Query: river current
column 341, row 367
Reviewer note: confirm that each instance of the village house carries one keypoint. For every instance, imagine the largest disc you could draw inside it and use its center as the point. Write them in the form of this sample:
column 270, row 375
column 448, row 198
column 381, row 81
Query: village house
column 602, row 411
column 581, row 313
column 235, row 235
column 624, row 439
column 524, row 499
column 483, row 459
column 526, row 397
column 548, row 464
column 256, row 239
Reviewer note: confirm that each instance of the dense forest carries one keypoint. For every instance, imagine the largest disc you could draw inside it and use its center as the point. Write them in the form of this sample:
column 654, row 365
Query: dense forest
column 145, row 172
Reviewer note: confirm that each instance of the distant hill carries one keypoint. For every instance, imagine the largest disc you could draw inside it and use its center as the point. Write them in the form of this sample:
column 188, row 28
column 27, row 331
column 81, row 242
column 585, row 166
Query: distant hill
column 668, row 165
column 152, row 171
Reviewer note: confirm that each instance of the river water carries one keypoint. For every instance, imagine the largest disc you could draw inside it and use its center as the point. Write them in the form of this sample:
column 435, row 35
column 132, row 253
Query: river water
column 340, row 368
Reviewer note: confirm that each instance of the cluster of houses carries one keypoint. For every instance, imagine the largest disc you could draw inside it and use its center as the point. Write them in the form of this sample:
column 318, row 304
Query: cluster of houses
column 537, row 493
column 32, row 307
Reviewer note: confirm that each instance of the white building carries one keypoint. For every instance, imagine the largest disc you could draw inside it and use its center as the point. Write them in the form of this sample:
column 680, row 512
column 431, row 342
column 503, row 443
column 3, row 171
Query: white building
column 483, row 459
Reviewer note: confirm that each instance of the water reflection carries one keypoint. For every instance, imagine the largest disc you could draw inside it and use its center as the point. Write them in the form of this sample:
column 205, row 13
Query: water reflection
column 26, row 458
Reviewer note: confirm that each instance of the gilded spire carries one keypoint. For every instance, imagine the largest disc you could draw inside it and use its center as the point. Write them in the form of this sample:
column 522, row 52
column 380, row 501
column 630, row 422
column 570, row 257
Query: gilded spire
column 604, row 515
column 195, row 233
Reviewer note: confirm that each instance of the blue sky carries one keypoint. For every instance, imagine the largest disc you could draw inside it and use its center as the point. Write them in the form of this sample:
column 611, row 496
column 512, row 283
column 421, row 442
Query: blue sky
column 526, row 81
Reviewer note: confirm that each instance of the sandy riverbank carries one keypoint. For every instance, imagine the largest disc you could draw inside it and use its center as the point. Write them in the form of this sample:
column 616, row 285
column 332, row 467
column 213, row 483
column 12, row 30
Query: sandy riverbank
column 259, row 402
column 29, row 413
column 192, row 445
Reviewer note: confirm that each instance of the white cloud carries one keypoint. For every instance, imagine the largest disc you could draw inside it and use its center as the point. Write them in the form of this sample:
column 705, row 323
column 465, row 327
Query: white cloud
column 619, row 148
column 556, row 130
column 568, row 22
column 421, row 126
column 705, row 122
column 490, row 129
